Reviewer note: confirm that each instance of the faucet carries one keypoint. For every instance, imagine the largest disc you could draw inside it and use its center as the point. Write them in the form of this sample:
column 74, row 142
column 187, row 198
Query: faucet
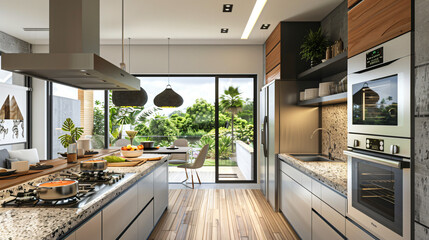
column 329, row 138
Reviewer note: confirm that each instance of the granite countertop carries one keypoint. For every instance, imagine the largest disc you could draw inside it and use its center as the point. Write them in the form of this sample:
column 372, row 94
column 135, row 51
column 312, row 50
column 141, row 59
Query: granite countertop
column 332, row 174
column 51, row 223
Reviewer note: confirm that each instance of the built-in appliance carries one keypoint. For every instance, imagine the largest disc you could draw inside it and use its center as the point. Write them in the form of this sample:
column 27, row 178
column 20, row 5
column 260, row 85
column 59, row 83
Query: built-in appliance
column 91, row 186
column 74, row 46
column 379, row 89
column 379, row 139
column 285, row 128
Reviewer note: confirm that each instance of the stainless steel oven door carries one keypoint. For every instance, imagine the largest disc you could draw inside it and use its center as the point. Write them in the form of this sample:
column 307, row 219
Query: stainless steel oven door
column 379, row 195
column 379, row 100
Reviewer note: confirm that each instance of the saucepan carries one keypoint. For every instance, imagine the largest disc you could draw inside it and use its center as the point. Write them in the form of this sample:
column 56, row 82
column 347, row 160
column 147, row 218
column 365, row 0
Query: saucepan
column 94, row 165
column 57, row 190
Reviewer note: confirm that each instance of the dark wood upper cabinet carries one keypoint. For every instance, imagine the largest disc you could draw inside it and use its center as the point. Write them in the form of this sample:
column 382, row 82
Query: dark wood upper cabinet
column 351, row 3
column 373, row 22
column 282, row 48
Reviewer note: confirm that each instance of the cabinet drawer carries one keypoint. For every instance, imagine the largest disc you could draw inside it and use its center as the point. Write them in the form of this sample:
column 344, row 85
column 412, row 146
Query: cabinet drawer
column 145, row 191
column 373, row 22
column 145, row 222
column 353, row 232
column 329, row 196
column 120, row 213
column 296, row 175
column 320, row 230
column 273, row 59
column 332, row 216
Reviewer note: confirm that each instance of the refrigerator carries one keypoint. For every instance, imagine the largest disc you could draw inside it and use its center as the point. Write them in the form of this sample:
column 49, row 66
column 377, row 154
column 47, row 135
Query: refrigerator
column 286, row 127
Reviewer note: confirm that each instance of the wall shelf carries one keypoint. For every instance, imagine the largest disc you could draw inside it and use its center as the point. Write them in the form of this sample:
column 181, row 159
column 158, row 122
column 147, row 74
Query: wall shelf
column 326, row 100
column 332, row 66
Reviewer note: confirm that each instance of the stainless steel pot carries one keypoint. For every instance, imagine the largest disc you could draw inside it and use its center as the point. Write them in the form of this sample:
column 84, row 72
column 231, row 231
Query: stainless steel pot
column 57, row 192
column 147, row 144
column 93, row 165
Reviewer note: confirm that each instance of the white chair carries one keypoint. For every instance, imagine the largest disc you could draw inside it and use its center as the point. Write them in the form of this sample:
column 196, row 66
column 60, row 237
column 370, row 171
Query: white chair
column 179, row 158
column 198, row 163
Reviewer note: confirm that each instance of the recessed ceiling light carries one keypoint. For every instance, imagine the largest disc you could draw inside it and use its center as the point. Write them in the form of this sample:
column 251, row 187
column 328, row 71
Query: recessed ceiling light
column 257, row 9
column 35, row 29
column 224, row 30
column 227, row 8
column 265, row 26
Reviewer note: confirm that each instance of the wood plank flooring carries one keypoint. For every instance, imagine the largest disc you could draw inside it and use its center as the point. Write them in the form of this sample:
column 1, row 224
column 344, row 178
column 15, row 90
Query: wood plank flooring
column 221, row 214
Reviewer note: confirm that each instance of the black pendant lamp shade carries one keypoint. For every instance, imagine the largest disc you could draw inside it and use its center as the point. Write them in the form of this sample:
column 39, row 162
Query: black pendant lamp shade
column 129, row 98
column 168, row 99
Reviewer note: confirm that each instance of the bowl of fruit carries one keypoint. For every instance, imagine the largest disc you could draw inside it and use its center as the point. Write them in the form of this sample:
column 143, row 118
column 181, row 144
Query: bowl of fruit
column 131, row 151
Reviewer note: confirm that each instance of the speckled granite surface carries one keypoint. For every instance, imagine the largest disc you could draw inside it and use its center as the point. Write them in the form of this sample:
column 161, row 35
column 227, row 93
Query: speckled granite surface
column 51, row 223
column 333, row 174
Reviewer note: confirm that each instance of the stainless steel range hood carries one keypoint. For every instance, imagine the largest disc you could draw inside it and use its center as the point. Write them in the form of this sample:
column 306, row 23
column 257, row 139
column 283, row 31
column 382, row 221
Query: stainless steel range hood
column 74, row 45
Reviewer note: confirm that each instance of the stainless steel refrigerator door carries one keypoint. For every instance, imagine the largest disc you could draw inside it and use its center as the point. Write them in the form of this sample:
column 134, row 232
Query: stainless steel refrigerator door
column 271, row 158
column 263, row 141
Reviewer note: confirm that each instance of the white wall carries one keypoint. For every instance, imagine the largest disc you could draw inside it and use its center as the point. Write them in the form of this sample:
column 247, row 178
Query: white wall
column 187, row 59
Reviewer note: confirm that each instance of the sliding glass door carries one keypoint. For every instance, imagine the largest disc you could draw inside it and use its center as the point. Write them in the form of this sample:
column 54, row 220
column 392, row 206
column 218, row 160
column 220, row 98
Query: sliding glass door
column 235, row 133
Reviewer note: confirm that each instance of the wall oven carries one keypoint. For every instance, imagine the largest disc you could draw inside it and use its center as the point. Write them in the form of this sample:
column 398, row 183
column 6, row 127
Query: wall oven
column 379, row 89
column 379, row 139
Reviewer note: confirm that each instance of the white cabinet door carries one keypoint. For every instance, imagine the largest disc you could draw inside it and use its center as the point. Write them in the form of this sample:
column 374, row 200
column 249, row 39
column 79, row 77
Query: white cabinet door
column 132, row 232
column 145, row 191
column 160, row 191
column 119, row 214
column 91, row 230
column 353, row 232
column 145, row 222
column 320, row 230
column 296, row 206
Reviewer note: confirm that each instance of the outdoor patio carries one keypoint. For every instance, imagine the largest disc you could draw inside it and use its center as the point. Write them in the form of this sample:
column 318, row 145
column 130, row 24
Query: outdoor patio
column 206, row 173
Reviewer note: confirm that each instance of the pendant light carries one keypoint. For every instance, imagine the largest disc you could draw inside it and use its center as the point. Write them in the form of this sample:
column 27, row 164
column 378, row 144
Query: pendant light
column 128, row 98
column 168, row 98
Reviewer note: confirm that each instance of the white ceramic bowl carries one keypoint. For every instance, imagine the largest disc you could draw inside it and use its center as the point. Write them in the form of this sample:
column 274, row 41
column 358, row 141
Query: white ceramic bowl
column 132, row 154
column 325, row 88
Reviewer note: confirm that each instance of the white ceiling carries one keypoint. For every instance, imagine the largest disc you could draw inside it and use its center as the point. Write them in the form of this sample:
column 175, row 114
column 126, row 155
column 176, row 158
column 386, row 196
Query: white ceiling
column 153, row 21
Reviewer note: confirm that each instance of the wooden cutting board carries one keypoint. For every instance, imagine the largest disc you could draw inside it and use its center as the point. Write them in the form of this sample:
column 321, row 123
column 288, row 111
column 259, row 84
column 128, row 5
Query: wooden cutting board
column 20, row 174
column 126, row 164
column 143, row 158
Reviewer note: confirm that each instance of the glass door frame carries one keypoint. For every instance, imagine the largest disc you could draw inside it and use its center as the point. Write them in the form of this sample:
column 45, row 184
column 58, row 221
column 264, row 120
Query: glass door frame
column 255, row 117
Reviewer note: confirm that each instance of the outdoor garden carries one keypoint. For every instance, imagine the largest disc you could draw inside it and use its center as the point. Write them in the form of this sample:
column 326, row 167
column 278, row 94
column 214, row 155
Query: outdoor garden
column 196, row 124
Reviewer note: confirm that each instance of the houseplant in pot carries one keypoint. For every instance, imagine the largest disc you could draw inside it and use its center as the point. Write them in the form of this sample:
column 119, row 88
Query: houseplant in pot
column 69, row 139
column 314, row 47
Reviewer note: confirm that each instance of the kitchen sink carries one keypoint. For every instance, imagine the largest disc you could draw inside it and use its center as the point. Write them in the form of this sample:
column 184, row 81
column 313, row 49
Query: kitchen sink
column 311, row 157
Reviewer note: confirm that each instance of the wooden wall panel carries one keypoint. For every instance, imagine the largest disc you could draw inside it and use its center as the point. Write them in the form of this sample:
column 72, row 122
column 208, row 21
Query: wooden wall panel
column 273, row 39
column 273, row 59
column 351, row 3
column 273, row 74
column 373, row 22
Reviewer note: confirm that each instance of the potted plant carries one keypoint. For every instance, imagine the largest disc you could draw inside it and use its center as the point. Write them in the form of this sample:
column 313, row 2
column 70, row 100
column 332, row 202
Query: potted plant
column 69, row 140
column 314, row 47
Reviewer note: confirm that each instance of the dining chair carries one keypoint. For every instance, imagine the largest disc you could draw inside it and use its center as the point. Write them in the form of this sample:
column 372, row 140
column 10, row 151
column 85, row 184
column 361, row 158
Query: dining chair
column 179, row 158
column 198, row 163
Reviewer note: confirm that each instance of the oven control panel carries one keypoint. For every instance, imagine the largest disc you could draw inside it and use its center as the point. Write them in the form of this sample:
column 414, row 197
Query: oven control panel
column 375, row 144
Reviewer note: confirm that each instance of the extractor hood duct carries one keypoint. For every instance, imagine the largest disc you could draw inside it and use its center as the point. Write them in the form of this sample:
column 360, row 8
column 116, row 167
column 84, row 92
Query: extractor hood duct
column 74, row 45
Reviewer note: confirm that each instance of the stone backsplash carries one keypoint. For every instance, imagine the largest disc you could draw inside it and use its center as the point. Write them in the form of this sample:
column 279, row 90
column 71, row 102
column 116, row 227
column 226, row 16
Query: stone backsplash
column 334, row 118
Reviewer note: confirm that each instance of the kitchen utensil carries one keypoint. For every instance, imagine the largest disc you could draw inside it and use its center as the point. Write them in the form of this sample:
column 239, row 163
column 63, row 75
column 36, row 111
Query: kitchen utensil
column 93, row 165
column 127, row 164
column 131, row 154
column 311, row 93
column 57, row 190
column 325, row 88
column 147, row 144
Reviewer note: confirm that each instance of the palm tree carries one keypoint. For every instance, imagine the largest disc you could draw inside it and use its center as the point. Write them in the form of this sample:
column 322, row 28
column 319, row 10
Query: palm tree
column 232, row 102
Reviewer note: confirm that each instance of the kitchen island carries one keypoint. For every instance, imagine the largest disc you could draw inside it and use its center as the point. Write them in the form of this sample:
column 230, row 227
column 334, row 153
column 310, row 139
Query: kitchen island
column 115, row 213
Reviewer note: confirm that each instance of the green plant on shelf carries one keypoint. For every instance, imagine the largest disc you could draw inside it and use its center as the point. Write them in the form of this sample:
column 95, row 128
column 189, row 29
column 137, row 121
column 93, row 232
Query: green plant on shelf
column 74, row 133
column 314, row 46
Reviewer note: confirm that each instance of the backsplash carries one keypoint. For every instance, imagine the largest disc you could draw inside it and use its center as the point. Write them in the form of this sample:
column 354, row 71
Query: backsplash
column 334, row 118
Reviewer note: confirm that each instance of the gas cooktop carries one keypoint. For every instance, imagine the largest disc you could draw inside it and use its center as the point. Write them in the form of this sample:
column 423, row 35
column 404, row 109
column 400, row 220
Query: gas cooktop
column 91, row 186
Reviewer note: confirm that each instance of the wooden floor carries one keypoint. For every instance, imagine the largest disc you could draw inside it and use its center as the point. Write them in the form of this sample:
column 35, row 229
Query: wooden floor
column 221, row 214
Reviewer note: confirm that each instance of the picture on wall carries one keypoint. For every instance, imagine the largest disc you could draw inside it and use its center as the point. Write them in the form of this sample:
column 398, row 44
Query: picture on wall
column 13, row 119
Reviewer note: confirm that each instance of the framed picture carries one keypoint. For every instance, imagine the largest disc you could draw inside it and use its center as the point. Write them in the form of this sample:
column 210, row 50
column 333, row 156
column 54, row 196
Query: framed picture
column 13, row 114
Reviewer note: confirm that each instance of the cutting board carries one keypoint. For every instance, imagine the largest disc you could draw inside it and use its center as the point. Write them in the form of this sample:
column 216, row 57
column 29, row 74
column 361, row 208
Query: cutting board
column 143, row 158
column 126, row 164
column 20, row 174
